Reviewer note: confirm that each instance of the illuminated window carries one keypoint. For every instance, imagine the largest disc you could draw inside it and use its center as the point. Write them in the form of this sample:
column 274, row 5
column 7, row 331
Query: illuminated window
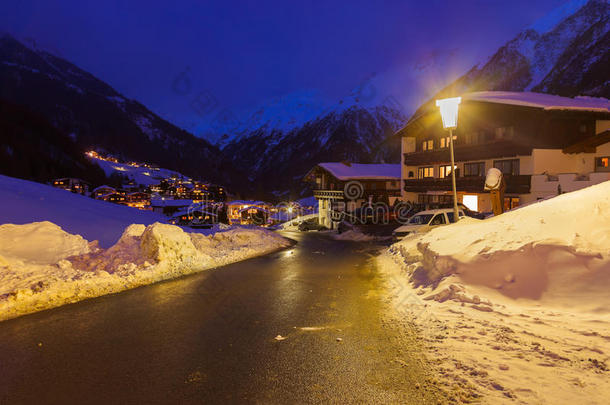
column 602, row 163
column 471, row 202
column 511, row 203
column 446, row 141
column 428, row 145
column 424, row 172
column 445, row 171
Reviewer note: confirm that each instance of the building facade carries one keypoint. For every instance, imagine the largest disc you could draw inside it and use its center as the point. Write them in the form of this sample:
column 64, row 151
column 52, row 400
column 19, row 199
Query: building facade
column 345, row 187
column 543, row 144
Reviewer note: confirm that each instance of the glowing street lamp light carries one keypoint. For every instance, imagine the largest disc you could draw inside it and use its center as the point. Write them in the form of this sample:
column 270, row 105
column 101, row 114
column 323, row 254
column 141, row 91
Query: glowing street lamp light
column 449, row 115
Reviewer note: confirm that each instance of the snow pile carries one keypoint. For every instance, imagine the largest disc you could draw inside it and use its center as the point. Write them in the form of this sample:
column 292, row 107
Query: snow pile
column 354, row 235
column 554, row 250
column 39, row 242
column 515, row 307
column 41, row 266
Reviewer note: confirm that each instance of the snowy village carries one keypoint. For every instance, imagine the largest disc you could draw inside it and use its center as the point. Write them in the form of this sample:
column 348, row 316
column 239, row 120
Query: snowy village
column 319, row 203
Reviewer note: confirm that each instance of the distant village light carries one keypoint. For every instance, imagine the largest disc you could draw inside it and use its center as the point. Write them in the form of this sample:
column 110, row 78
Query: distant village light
column 449, row 111
column 449, row 115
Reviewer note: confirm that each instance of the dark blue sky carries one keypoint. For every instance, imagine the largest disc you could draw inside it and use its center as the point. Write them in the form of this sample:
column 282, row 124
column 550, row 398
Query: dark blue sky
column 244, row 52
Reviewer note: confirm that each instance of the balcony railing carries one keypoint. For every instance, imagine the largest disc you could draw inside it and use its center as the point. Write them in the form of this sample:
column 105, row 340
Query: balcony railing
column 331, row 194
column 490, row 150
column 339, row 194
column 514, row 184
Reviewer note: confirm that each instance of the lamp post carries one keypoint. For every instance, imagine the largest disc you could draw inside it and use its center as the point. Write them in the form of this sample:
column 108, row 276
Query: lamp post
column 449, row 115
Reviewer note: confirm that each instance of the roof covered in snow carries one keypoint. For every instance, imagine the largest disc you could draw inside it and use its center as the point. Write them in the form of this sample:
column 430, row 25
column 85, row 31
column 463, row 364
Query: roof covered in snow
column 353, row 171
column 103, row 187
column 539, row 100
column 429, row 114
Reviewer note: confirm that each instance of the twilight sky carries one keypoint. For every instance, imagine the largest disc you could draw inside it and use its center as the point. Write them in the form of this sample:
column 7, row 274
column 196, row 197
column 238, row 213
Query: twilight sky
column 241, row 53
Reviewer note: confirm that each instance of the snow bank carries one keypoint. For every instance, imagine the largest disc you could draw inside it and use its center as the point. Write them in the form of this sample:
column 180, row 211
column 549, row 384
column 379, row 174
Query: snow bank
column 42, row 266
column 354, row 235
column 557, row 251
column 40, row 243
column 515, row 307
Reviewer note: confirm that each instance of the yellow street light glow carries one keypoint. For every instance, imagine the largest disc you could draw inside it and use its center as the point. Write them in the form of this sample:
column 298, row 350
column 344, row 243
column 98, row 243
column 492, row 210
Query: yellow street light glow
column 449, row 111
column 449, row 115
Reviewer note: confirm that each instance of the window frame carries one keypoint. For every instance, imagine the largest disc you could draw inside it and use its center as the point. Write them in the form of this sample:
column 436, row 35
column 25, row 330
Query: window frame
column 421, row 172
column 442, row 171
column 512, row 162
column 481, row 173
column 439, row 215
column 599, row 167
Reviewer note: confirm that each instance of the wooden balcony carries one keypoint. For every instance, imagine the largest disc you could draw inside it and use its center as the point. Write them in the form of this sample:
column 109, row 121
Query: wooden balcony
column 490, row 150
column 339, row 195
column 514, row 184
column 328, row 194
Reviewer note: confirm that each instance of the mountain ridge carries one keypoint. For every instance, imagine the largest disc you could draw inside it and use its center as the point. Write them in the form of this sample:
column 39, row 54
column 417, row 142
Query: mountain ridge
column 97, row 116
column 547, row 61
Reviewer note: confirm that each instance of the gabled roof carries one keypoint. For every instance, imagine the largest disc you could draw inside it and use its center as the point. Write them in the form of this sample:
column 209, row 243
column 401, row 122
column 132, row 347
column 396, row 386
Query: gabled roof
column 428, row 114
column 362, row 171
column 539, row 100
column 104, row 187
column 255, row 208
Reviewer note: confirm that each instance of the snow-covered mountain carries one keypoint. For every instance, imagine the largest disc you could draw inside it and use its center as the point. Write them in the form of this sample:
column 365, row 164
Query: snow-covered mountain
column 566, row 52
column 277, row 157
column 282, row 114
column 94, row 115
column 286, row 135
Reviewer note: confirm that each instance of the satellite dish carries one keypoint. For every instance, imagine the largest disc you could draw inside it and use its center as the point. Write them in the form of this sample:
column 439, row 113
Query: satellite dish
column 493, row 180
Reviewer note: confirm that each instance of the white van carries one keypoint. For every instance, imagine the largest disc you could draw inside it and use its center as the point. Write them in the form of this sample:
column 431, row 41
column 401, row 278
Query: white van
column 425, row 221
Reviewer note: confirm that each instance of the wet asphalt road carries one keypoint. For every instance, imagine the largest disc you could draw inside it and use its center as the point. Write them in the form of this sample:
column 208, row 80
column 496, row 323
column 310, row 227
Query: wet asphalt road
column 209, row 338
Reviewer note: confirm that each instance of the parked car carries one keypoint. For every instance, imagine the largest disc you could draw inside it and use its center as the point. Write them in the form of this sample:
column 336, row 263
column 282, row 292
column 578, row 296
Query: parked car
column 470, row 213
column 311, row 225
column 417, row 208
column 425, row 221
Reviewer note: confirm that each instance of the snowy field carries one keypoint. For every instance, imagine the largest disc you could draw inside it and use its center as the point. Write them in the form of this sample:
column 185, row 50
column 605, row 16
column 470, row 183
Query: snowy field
column 26, row 201
column 516, row 308
column 49, row 254
column 141, row 175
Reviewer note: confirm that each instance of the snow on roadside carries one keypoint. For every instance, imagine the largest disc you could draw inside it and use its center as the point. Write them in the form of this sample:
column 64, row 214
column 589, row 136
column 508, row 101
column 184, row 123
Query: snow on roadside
column 42, row 266
column 293, row 224
column 355, row 235
column 514, row 308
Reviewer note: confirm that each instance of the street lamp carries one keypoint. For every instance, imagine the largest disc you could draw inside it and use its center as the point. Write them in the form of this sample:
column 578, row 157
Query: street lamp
column 449, row 115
